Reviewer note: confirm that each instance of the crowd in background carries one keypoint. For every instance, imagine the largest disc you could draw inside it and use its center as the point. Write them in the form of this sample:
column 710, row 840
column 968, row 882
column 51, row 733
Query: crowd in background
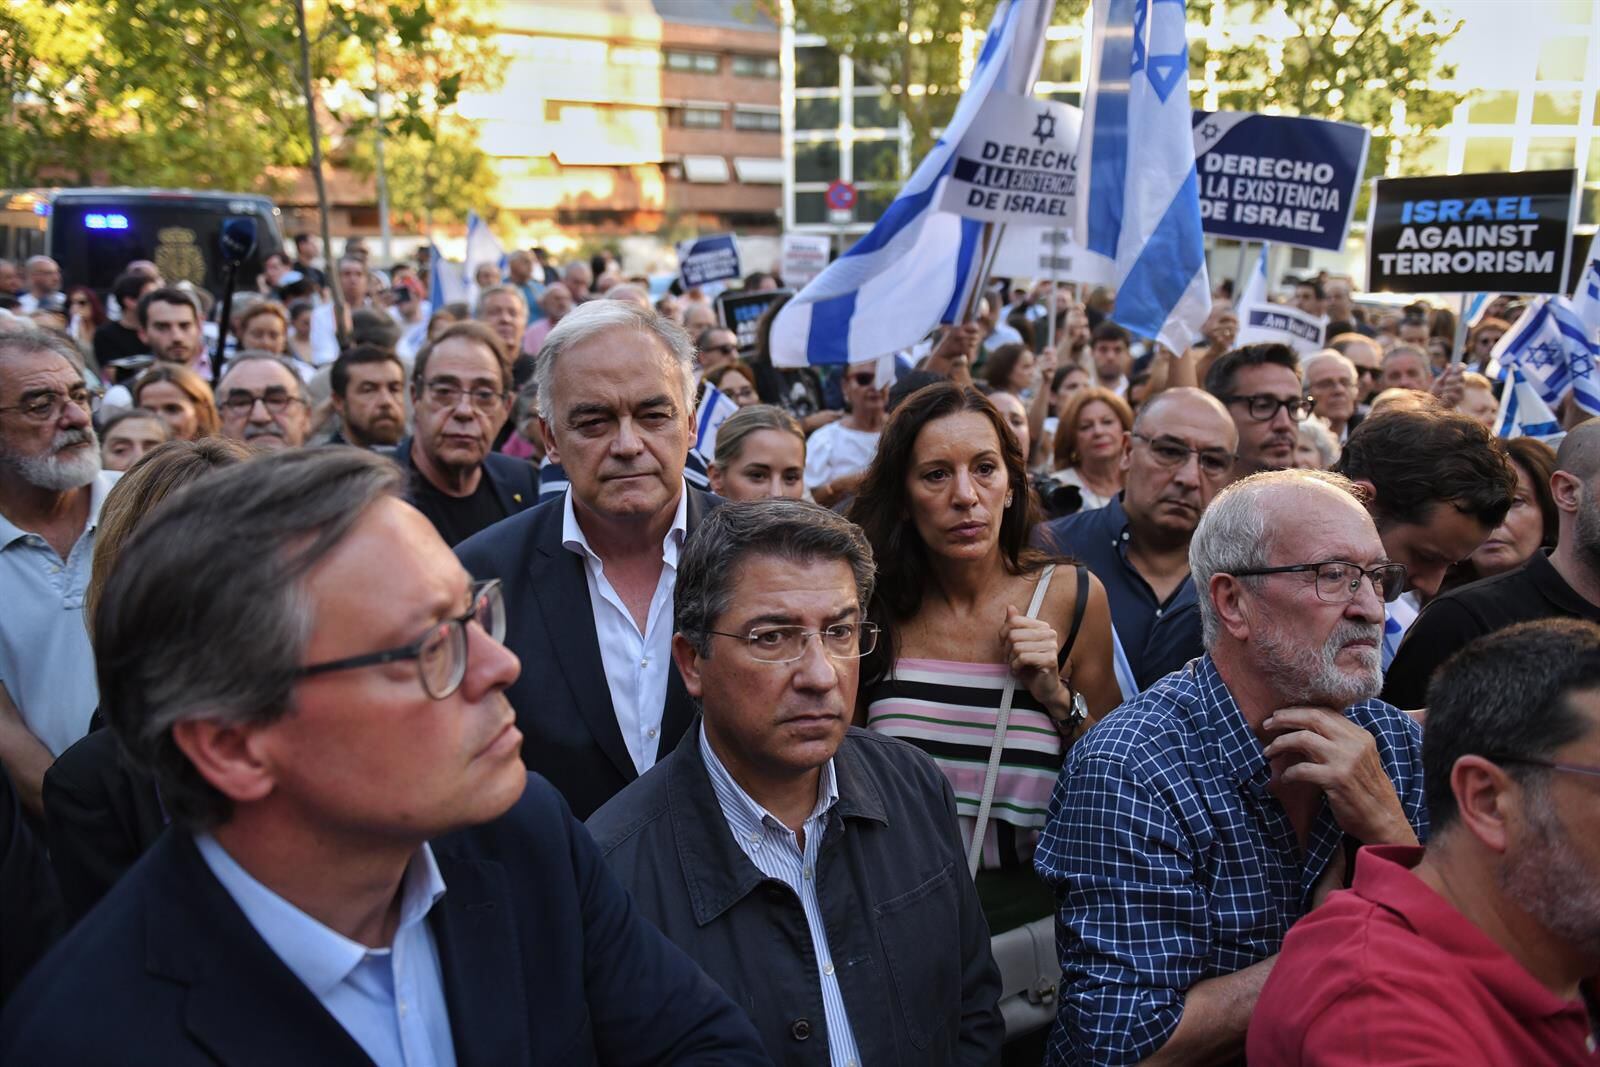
column 1150, row 642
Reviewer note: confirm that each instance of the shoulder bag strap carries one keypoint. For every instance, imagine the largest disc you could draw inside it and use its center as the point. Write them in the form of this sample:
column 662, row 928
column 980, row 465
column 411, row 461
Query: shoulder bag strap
column 1002, row 720
column 1079, row 604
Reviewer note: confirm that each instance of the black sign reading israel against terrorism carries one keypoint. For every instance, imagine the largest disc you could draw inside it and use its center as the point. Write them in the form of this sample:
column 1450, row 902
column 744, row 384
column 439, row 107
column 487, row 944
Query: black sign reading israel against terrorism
column 1471, row 233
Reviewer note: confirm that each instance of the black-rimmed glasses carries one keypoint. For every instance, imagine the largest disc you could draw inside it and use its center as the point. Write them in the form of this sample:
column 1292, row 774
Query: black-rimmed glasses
column 1171, row 452
column 785, row 644
column 441, row 653
column 445, row 395
column 239, row 402
column 44, row 407
column 1339, row 581
column 1263, row 406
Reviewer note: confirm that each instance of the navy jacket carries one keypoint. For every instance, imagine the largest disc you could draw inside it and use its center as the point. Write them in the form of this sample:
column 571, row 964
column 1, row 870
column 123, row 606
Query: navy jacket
column 515, row 481
column 563, row 704
column 903, row 919
column 544, row 961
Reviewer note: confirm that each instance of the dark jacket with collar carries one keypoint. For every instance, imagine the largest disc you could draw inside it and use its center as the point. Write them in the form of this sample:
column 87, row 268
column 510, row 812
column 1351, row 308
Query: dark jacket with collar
column 903, row 919
column 515, row 481
column 543, row 959
column 563, row 704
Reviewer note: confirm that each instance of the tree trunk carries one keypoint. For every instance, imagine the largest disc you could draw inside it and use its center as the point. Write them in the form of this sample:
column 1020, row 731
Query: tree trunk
column 309, row 88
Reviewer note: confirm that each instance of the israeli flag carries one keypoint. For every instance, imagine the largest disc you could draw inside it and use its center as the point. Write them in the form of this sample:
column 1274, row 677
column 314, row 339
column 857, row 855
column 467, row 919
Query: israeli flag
column 1586, row 304
column 917, row 265
column 715, row 407
column 1523, row 412
column 482, row 247
column 1139, row 203
column 445, row 283
column 1554, row 351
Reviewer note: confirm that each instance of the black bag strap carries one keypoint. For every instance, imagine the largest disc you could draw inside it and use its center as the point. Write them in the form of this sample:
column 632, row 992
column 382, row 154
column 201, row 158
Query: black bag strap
column 1079, row 604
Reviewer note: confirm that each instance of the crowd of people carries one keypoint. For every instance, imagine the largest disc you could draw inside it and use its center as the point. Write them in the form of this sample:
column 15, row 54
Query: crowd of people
column 425, row 687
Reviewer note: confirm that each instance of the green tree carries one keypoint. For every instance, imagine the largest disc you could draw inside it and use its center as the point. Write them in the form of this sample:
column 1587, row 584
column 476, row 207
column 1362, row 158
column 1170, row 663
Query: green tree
column 912, row 49
column 1351, row 60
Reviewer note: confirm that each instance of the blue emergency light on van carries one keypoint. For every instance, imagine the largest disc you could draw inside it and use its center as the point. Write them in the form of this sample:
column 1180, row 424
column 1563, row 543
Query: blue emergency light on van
column 97, row 221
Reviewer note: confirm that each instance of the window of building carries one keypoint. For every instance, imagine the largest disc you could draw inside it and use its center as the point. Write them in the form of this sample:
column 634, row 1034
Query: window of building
column 1493, row 107
column 872, row 203
column 1427, row 155
column 876, row 110
column 1563, row 58
column 697, row 118
column 755, row 66
column 1551, row 153
column 1589, row 206
column 693, row 62
column 810, row 207
column 875, row 161
column 1487, row 154
column 756, row 120
column 816, row 113
column 1593, row 172
column 816, row 162
column 1557, row 108
column 815, row 68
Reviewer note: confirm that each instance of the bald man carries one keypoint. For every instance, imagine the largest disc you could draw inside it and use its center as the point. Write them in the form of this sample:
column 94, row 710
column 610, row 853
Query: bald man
column 1182, row 449
column 1563, row 582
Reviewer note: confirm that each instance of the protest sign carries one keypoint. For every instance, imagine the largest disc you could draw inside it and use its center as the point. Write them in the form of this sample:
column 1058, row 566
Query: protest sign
column 1278, row 177
column 1263, row 322
column 708, row 259
column 1031, row 252
column 1018, row 163
column 741, row 312
column 1469, row 233
column 803, row 258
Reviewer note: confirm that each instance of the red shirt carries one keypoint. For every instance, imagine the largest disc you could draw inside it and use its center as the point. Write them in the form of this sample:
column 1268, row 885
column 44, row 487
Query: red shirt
column 1389, row 973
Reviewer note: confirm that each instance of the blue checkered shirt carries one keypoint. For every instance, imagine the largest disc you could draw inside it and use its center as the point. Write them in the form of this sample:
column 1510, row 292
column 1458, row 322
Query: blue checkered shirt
column 1172, row 863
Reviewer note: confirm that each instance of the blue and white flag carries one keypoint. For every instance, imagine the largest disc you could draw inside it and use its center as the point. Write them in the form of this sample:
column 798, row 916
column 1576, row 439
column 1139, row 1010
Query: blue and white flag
column 715, row 407
column 1139, row 201
column 445, row 282
column 1263, row 322
column 917, row 265
column 1523, row 412
column 1586, row 302
column 1473, row 308
column 482, row 247
column 1555, row 352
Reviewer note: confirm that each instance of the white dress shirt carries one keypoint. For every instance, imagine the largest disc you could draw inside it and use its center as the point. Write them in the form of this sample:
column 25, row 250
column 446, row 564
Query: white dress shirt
column 390, row 1000
column 637, row 664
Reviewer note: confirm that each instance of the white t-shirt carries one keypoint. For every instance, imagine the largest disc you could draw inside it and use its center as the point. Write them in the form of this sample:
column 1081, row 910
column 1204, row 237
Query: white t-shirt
column 836, row 450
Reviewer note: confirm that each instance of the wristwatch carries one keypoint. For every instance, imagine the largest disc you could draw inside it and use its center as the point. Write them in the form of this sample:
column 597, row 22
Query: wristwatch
column 1077, row 712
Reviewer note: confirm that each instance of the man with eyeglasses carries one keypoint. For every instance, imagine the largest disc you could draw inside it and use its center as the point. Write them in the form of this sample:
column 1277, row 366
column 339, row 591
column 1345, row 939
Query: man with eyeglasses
column 359, row 868
column 1481, row 948
column 1260, row 385
column 51, row 490
column 1193, row 826
column 1332, row 383
column 1179, row 454
column 814, row 870
column 461, row 397
column 263, row 403
column 716, row 348
column 1364, row 352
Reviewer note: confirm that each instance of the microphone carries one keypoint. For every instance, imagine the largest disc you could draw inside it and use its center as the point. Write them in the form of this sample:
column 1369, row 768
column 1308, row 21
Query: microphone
column 238, row 240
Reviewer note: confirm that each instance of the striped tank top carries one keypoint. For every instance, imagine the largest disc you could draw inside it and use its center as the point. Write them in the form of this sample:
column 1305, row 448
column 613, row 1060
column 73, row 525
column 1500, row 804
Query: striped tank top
column 948, row 710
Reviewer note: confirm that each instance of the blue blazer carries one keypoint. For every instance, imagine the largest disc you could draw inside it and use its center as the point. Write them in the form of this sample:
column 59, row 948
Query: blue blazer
column 544, row 960
column 563, row 704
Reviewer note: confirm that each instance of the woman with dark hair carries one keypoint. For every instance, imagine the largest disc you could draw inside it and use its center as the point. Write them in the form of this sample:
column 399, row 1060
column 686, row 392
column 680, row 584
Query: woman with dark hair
column 1531, row 524
column 85, row 315
column 965, row 606
column 736, row 381
column 1011, row 369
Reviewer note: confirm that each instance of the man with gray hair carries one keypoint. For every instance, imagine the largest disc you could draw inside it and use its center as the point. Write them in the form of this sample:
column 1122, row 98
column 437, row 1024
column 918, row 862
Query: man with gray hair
column 1191, row 828
column 263, row 402
column 591, row 572
column 51, row 490
column 359, row 869
column 1332, row 382
column 879, row 947
column 44, row 283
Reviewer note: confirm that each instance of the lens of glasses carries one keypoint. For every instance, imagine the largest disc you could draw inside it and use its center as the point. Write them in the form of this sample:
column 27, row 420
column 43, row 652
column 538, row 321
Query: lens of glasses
column 491, row 610
column 1340, row 583
column 442, row 661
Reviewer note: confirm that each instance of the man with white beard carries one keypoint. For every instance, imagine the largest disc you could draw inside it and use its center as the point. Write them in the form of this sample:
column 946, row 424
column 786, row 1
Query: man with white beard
column 1193, row 826
column 51, row 489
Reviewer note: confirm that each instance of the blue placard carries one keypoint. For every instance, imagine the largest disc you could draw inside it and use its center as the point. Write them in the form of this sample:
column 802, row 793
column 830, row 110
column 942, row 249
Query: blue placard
column 708, row 259
column 1278, row 178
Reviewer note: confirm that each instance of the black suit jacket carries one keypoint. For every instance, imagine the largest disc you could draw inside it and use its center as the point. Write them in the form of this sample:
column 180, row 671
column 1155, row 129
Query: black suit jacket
column 543, row 957
column 563, row 704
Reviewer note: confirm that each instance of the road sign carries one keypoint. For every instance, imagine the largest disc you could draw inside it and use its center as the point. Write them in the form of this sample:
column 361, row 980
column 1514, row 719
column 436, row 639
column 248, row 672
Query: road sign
column 841, row 195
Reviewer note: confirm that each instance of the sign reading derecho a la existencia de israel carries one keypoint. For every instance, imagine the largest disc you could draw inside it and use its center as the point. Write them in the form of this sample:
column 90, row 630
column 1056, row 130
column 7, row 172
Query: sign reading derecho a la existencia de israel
column 1018, row 163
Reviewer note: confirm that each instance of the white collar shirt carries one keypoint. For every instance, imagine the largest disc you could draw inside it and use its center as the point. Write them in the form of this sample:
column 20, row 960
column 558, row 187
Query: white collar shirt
column 390, row 1000
column 637, row 664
